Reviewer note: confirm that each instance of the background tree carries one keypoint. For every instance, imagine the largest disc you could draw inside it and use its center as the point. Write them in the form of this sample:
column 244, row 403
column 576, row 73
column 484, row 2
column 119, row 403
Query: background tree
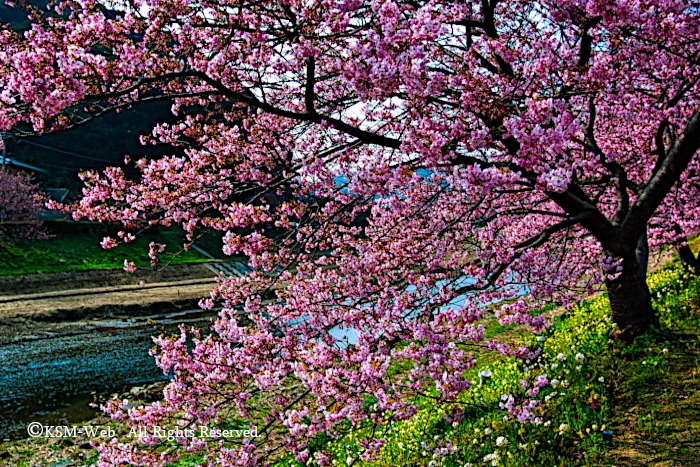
column 20, row 201
column 432, row 157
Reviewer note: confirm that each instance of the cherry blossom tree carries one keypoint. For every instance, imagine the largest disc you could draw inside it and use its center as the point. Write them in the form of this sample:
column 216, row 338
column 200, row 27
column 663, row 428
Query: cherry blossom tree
column 20, row 200
column 388, row 167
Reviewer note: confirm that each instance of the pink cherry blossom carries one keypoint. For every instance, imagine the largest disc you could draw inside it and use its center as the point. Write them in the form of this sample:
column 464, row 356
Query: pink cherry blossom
column 388, row 168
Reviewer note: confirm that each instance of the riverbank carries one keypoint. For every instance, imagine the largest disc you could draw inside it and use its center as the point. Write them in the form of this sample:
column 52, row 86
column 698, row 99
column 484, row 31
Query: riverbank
column 41, row 283
column 65, row 337
column 52, row 305
column 622, row 405
column 52, row 371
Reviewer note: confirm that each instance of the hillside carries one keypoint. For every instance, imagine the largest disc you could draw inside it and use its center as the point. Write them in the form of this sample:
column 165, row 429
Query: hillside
column 95, row 145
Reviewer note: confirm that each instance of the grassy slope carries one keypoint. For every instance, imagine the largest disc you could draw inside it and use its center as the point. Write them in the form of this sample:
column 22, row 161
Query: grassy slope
column 80, row 250
column 648, row 397
column 657, row 389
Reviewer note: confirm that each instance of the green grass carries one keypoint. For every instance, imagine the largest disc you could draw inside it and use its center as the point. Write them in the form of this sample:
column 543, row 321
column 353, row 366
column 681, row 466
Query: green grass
column 656, row 385
column 80, row 250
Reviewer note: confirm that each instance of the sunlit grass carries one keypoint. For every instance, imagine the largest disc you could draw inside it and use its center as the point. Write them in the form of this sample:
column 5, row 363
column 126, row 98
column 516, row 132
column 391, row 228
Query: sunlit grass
column 80, row 250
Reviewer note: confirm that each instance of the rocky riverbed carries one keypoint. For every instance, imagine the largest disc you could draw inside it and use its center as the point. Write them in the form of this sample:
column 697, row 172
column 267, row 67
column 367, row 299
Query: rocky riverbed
column 53, row 379
column 66, row 340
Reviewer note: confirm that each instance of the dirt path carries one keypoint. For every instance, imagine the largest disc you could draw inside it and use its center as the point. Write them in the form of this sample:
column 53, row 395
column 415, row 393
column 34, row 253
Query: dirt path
column 60, row 281
column 41, row 305
column 64, row 304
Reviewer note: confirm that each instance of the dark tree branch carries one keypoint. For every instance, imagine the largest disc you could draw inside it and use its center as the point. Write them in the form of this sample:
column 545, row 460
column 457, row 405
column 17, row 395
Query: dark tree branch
column 660, row 184
column 688, row 259
column 540, row 239
column 586, row 42
column 309, row 95
column 642, row 253
column 366, row 137
column 660, row 146
column 623, row 199
column 531, row 243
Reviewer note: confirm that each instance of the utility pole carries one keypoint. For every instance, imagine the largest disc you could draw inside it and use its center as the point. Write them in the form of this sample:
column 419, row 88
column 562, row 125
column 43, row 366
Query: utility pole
column 4, row 152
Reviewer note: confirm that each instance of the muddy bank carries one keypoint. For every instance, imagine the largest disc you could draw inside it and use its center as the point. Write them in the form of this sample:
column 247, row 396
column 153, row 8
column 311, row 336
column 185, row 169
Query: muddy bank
column 29, row 314
column 66, row 338
column 50, row 282
column 84, row 320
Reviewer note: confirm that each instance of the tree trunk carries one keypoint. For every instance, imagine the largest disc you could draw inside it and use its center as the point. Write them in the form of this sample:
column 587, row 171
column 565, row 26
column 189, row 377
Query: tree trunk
column 630, row 299
column 642, row 254
column 688, row 259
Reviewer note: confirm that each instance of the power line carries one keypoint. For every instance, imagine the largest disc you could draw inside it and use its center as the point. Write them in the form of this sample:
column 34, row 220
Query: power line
column 75, row 148
column 70, row 153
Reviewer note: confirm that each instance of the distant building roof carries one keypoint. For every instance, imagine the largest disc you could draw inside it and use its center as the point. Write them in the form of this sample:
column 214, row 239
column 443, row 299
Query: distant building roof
column 16, row 163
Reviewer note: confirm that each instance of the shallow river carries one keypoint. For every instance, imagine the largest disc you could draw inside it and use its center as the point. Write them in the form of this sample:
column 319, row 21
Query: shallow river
column 51, row 380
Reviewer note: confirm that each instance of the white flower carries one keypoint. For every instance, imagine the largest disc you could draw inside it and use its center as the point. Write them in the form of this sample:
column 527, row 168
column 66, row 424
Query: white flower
column 601, row 379
column 455, row 424
column 487, row 431
column 541, row 338
column 432, row 464
column 501, row 440
column 554, row 366
column 579, row 356
column 349, row 460
column 563, row 427
column 554, row 382
column 561, row 357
